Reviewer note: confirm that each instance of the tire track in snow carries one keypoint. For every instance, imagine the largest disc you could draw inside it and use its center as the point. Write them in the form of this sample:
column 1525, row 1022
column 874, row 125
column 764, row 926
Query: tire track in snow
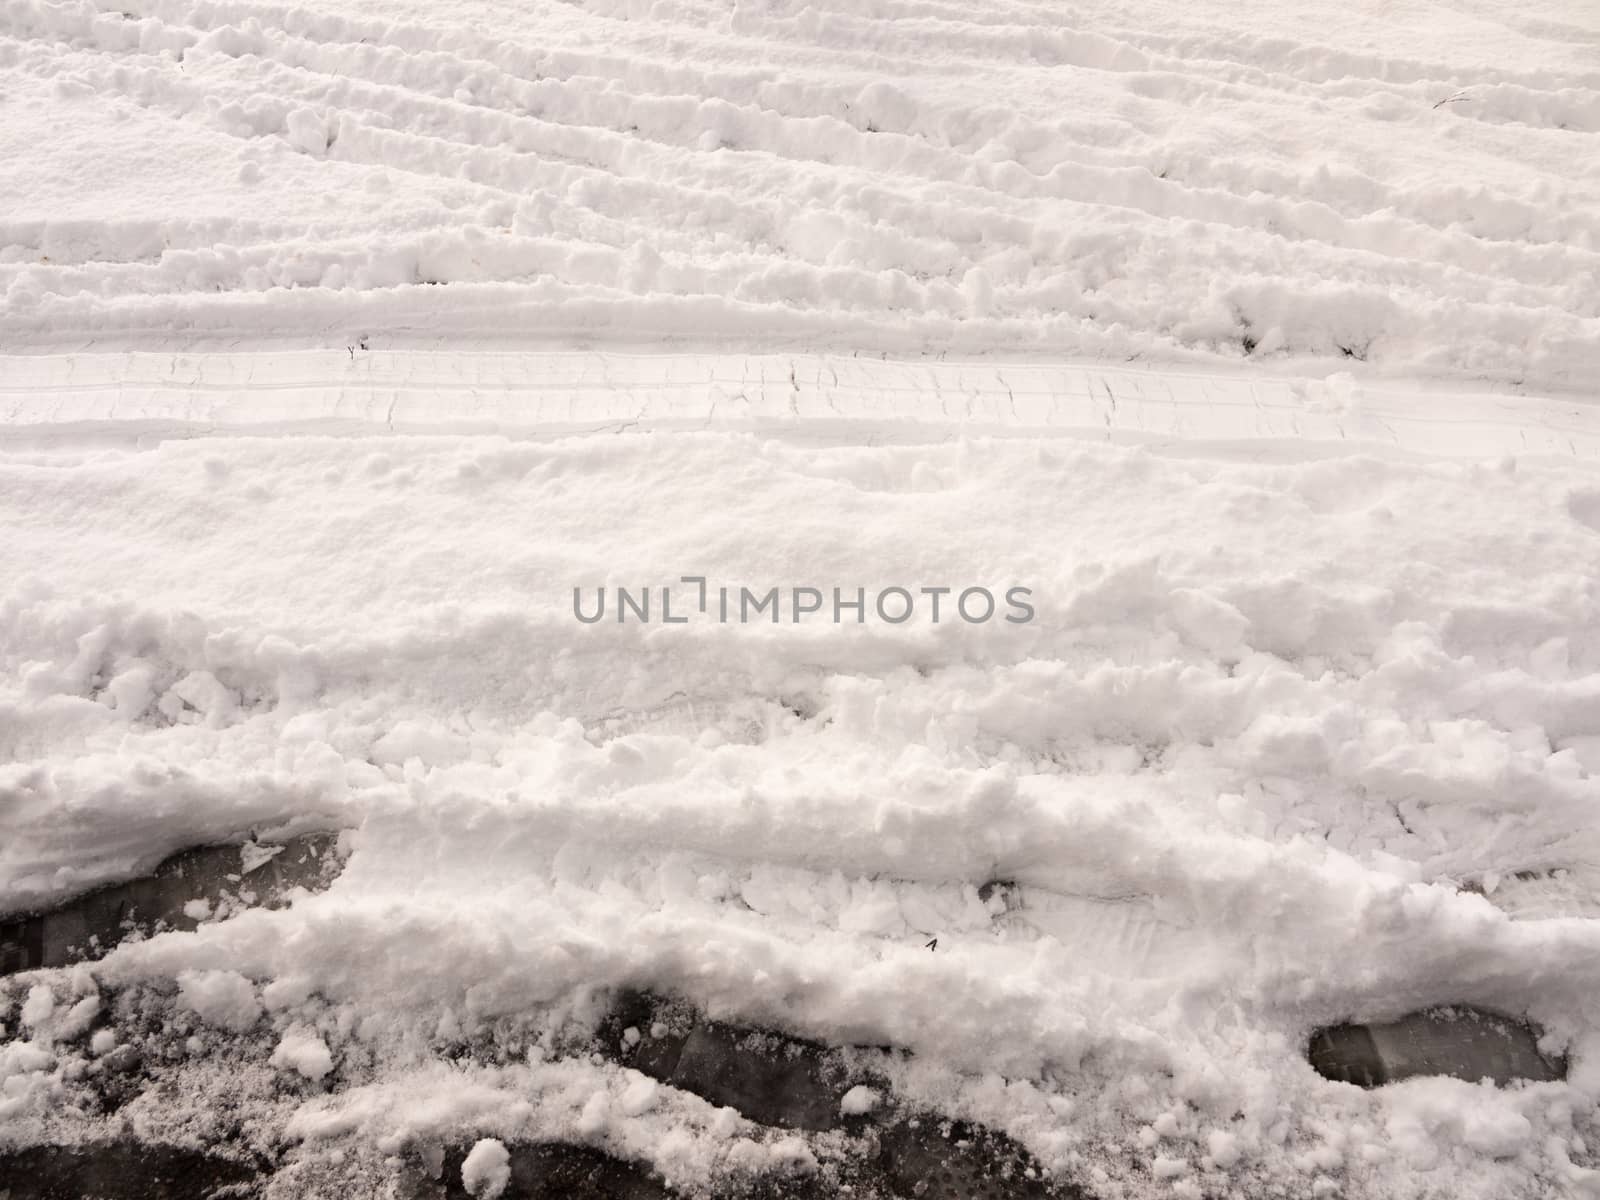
column 762, row 176
column 826, row 397
column 620, row 113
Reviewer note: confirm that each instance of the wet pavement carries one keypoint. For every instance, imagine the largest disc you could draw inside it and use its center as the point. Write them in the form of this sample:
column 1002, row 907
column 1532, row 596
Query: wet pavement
column 884, row 1151
column 550, row 1170
column 120, row 1171
column 223, row 879
column 782, row 1083
column 1461, row 1042
column 929, row 1160
column 792, row 1084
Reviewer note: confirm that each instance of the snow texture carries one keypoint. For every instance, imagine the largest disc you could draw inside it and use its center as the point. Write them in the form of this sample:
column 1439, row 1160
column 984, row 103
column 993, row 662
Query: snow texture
column 1269, row 339
column 486, row 1170
column 1238, row 765
column 1411, row 185
column 303, row 1051
column 222, row 998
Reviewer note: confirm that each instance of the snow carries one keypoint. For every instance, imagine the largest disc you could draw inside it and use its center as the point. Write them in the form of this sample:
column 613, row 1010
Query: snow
column 41, row 1003
column 1292, row 411
column 1208, row 181
column 858, row 1100
column 640, row 1097
column 1237, row 764
column 197, row 910
column 222, row 998
column 343, row 346
column 486, row 1170
column 302, row 1050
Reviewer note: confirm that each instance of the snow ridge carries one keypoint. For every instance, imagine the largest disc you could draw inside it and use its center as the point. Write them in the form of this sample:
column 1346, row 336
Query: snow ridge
column 1240, row 771
column 892, row 177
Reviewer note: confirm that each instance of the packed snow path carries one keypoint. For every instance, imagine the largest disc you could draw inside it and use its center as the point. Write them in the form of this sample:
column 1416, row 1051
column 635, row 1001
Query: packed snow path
column 127, row 397
column 1416, row 185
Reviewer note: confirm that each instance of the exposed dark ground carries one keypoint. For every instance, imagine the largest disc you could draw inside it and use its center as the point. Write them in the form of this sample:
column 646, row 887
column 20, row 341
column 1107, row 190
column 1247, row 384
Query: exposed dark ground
column 777, row 1081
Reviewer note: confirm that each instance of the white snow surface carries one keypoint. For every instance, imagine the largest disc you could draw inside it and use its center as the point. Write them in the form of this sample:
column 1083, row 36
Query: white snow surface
column 63, row 399
column 486, row 1170
column 1411, row 184
column 333, row 358
column 1278, row 701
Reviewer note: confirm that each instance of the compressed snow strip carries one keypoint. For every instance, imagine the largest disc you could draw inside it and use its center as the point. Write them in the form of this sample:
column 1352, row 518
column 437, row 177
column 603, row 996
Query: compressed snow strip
column 816, row 396
column 486, row 1170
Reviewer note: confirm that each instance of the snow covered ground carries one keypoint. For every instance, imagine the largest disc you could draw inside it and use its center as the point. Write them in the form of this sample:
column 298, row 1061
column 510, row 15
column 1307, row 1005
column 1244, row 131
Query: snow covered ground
column 1410, row 184
column 338, row 347
column 1278, row 701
